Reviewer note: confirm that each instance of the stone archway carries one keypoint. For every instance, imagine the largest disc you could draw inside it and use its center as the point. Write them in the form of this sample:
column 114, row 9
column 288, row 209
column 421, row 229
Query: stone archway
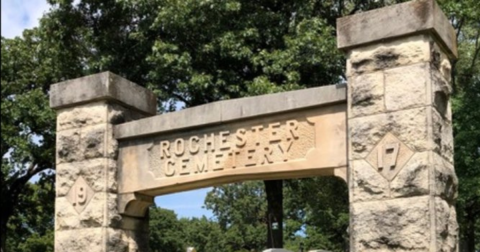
column 388, row 134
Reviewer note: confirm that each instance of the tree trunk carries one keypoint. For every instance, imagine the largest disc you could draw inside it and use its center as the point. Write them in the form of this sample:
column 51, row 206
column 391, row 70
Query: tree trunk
column 470, row 231
column 3, row 233
column 274, row 190
column 5, row 213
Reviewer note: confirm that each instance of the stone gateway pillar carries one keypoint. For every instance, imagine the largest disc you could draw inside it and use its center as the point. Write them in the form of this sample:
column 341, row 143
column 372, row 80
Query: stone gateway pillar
column 86, row 206
column 401, row 177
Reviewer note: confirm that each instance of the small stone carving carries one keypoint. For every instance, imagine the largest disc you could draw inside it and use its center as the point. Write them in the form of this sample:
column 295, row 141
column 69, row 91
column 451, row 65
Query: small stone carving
column 80, row 194
column 389, row 156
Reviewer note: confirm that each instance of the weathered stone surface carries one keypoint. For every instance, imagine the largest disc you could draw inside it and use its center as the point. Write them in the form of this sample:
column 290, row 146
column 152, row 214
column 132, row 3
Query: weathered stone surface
column 391, row 225
column 441, row 62
column 233, row 110
column 403, row 132
column 66, row 217
column 90, row 239
column 412, row 180
column 80, row 194
column 96, row 143
column 367, row 184
column 446, row 226
column 445, row 180
column 292, row 144
column 85, row 143
column 440, row 96
column 93, row 240
column 394, row 21
column 81, row 116
column 94, row 113
column 401, row 52
column 389, row 156
column 405, row 87
column 94, row 171
column 68, row 146
column 366, row 94
column 93, row 140
column 102, row 86
column 118, row 114
column 442, row 137
column 410, row 126
column 86, row 172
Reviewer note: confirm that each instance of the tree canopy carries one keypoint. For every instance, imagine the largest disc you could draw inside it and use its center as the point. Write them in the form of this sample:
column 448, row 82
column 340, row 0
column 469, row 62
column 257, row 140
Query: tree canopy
column 192, row 52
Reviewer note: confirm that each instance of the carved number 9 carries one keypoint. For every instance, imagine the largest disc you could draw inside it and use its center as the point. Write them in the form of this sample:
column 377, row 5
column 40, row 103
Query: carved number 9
column 80, row 195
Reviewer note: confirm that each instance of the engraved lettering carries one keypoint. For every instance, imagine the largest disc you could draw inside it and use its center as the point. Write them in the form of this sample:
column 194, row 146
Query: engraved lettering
column 389, row 156
column 179, row 147
column 232, row 148
column 169, row 170
column 292, row 126
column 164, row 149
column 193, row 145
column 200, row 164
column 224, row 145
column 267, row 155
column 274, row 136
column 257, row 130
column 234, row 154
column 285, row 148
column 185, row 170
column 241, row 141
column 80, row 195
column 250, row 156
column 209, row 141
column 218, row 162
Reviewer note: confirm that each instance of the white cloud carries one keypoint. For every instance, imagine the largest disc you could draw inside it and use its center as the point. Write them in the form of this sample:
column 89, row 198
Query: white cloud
column 18, row 15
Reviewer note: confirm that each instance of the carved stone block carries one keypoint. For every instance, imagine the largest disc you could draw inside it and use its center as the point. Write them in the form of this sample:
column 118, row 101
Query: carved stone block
column 389, row 156
column 398, row 223
column 367, row 94
column 402, row 90
column 80, row 194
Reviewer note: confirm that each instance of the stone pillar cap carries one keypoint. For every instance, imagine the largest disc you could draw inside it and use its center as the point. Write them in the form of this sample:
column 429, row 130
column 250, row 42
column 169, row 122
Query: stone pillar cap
column 102, row 86
column 414, row 17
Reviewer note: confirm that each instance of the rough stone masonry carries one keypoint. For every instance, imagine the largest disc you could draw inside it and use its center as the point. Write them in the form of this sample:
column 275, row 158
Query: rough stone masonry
column 402, row 181
column 114, row 154
column 86, row 212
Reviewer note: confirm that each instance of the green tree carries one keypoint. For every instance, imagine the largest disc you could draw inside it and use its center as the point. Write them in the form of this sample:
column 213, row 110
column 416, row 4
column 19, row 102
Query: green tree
column 239, row 209
column 31, row 230
column 27, row 137
column 465, row 17
column 319, row 207
column 166, row 232
column 203, row 234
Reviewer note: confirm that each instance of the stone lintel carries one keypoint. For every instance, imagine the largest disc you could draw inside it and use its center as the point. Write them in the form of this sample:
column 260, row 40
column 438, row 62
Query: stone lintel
column 102, row 86
column 232, row 110
column 400, row 20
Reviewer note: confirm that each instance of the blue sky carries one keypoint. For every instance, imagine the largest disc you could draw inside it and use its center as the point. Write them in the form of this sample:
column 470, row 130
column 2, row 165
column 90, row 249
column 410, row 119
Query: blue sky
column 18, row 15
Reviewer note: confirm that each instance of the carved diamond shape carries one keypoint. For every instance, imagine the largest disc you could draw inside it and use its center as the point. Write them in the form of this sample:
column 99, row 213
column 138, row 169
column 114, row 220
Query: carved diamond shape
column 80, row 194
column 389, row 156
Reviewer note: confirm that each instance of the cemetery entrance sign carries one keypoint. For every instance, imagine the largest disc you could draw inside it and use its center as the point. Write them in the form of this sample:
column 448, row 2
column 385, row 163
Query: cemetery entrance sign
column 387, row 133
column 294, row 134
